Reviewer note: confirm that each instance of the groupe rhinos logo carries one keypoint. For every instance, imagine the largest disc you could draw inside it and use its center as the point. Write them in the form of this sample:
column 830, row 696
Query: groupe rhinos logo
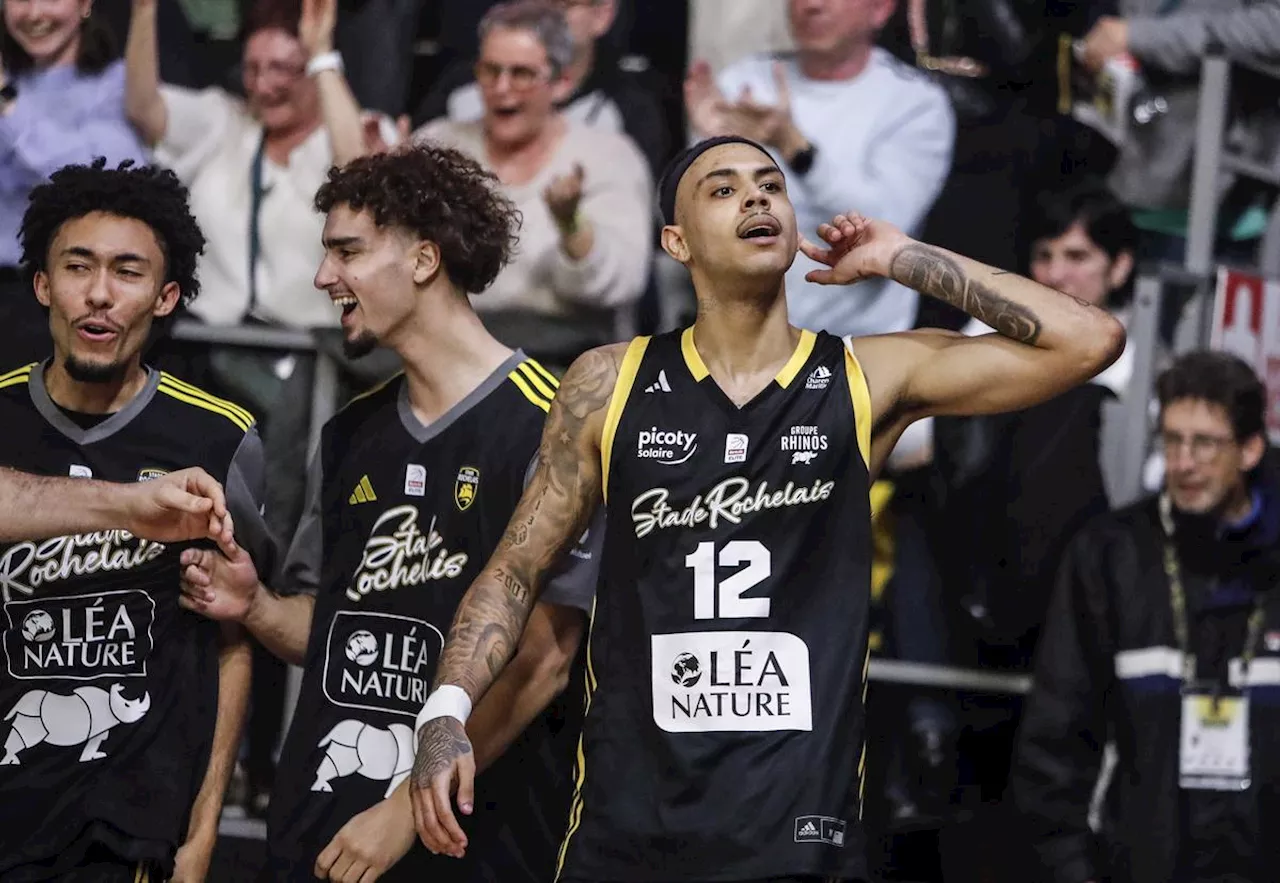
column 668, row 447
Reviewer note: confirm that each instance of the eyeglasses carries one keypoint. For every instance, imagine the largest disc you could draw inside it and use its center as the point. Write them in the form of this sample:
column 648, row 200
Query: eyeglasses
column 276, row 70
column 522, row 76
column 1204, row 448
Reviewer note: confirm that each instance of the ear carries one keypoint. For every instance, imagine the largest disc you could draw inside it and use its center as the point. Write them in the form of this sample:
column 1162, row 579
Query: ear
column 167, row 299
column 426, row 263
column 673, row 243
column 561, row 89
column 1121, row 267
column 1251, row 452
column 884, row 11
column 605, row 12
column 42, row 288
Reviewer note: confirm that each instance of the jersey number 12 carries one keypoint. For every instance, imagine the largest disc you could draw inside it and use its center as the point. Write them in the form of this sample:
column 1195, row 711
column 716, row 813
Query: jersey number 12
column 726, row 595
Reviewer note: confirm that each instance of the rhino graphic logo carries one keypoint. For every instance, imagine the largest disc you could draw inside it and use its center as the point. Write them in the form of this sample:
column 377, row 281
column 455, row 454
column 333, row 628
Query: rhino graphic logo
column 87, row 716
column 354, row 747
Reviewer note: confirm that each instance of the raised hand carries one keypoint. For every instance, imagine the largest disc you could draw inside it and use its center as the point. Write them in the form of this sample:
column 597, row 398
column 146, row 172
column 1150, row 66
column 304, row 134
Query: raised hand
column 704, row 102
column 564, row 194
column 370, row 843
column 219, row 583
column 376, row 135
column 770, row 124
column 184, row 505
column 444, row 764
column 859, row 248
column 316, row 25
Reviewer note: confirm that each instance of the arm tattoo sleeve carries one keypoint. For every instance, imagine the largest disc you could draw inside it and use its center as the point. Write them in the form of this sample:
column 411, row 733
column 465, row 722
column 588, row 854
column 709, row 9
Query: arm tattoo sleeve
column 933, row 273
column 554, row 511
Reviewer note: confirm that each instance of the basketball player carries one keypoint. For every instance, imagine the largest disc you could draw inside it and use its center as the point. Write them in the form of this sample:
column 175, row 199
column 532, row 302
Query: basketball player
column 185, row 505
column 409, row 496
column 121, row 711
column 727, row 663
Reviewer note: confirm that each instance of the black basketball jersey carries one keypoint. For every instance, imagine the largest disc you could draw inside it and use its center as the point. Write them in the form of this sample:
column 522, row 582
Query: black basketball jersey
column 728, row 649
column 406, row 516
column 109, row 691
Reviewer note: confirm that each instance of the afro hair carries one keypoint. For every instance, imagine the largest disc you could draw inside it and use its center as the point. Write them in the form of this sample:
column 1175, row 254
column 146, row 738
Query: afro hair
column 148, row 194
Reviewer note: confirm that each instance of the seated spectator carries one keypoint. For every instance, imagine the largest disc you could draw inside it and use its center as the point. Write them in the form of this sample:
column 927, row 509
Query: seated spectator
column 585, row 194
column 597, row 90
column 854, row 129
column 61, row 102
column 253, row 167
column 1161, row 635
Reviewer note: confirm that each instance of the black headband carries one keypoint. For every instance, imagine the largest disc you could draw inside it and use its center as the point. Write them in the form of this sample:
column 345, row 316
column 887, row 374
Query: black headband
column 675, row 170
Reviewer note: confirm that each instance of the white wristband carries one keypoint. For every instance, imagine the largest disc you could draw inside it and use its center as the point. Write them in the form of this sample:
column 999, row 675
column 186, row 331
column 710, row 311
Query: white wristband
column 325, row 61
column 445, row 701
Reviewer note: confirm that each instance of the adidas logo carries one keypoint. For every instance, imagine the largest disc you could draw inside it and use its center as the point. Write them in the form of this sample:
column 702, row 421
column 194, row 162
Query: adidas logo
column 660, row 385
column 809, row 830
column 363, row 492
column 819, row 378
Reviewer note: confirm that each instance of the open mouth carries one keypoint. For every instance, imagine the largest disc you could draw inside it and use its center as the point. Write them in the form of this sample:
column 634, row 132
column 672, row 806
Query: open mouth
column 506, row 113
column 97, row 332
column 759, row 227
column 346, row 302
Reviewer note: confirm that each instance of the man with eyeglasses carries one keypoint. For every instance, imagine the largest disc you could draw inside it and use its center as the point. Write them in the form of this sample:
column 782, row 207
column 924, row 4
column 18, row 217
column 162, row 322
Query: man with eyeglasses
column 1164, row 637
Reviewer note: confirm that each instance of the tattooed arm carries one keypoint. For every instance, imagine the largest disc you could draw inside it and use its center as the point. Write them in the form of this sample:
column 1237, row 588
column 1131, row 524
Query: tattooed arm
column 1045, row 342
column 552, row 514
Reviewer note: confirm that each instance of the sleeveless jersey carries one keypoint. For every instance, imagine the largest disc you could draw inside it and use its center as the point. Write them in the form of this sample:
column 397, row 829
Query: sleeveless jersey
column 728, row 647
column 109, row 691
column 408, row 515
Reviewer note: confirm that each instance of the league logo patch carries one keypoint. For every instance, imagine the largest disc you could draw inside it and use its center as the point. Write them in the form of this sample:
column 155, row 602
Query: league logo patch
column 148, row 474
column 466, row 487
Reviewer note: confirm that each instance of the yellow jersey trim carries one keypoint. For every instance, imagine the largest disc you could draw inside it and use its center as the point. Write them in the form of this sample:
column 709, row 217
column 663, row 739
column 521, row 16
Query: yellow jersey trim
column 621, row 390
column 803, row 350
column 537, row 381
column 519, row 380
column 24, row 371
column 546, row 375
column 699, row 369
column 205, row 404
column 16, row 378
column 182, row 385
column 861, row 396
column 580, row 777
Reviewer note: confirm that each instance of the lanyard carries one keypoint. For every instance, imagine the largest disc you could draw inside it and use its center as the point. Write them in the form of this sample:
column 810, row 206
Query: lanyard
column 256, row 191
column 1178, row 602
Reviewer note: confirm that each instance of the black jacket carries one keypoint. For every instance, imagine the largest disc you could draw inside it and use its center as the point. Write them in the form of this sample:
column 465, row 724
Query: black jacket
column 1105, row 669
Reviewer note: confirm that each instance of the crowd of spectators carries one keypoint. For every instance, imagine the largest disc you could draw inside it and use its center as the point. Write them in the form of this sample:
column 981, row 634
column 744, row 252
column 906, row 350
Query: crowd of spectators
column 946, row 119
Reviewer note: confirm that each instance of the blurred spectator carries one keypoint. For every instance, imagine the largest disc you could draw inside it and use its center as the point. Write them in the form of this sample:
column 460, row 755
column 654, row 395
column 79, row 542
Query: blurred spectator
column 1164, row 635
column 854, row 128
column 600, row 93
column 376, row 37
column 1153, row 172
column 585, row 194
column 1083, row 243
column 723, row 32
column 253, row 167
column 985, row 54
column 180, row 55
column 61, row 102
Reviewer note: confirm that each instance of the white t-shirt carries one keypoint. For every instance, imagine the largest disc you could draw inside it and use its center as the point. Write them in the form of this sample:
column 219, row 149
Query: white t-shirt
column 210, row 143
column 884, row 141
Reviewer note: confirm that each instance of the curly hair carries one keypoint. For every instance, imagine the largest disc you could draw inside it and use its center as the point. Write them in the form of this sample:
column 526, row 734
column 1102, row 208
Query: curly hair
column 440, row 195
column 1221, row 379
column 148, row 194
